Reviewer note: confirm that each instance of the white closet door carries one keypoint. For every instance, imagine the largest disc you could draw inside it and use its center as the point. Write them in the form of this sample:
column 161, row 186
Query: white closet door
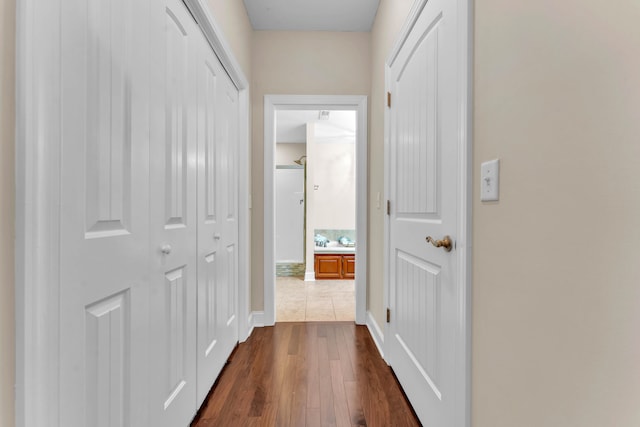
column 217, row 218
column 173, row 216
column 104, row 208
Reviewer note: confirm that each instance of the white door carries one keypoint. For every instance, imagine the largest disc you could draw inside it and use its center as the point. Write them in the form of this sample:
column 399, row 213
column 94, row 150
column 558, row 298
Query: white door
column 424, row 292
column 172, row 252
column 104, row 232
column 290, row 215
column 217, row 218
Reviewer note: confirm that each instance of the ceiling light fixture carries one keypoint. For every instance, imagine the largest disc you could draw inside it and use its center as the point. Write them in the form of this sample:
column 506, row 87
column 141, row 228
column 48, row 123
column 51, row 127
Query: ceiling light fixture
column 323, row 115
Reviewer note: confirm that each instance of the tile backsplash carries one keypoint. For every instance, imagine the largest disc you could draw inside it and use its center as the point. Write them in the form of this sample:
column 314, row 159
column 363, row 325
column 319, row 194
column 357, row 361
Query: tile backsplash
column 333, row 235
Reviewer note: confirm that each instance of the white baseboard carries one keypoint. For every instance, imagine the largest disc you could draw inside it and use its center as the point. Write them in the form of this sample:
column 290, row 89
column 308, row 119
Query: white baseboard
column 376, row 333
column 310, row 276
column 256, row 319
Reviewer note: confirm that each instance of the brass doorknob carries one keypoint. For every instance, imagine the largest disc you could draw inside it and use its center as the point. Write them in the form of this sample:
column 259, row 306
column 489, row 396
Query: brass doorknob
column 445, row 243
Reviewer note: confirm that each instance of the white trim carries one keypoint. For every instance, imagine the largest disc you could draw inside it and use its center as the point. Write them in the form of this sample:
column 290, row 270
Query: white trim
column 376, row 333
column 309, row 276
column 216, row 39
column 256, row 319
column 37, row 214
column 465, row 201
column 272, row 103
column 37, row 201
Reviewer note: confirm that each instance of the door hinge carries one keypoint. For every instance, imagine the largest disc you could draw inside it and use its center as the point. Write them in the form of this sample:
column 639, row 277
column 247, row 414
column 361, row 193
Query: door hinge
column 389, row 99
column 388, row 207
column 388, row 315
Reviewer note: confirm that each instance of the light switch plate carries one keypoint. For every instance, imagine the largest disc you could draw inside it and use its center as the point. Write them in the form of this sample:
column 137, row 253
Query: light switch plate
column 490, row 181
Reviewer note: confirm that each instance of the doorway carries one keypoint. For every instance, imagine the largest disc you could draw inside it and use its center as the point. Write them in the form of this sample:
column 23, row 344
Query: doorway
column 357, row 106
column 315, row 195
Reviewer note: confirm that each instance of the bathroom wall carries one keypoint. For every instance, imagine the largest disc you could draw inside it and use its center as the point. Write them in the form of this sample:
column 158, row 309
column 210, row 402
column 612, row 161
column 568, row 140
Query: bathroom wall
column 333, row 184
column 286, row 153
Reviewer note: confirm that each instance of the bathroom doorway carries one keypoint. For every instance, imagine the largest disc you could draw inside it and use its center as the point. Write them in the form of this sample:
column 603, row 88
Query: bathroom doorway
column 321, row 140
column 315, row 235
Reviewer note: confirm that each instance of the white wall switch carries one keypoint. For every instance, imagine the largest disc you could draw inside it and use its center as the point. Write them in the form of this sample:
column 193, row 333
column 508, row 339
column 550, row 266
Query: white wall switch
column 490, row 181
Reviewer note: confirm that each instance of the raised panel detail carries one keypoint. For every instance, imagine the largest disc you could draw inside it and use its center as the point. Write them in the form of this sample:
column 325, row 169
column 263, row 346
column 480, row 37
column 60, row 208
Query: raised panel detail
column 418, row 314
column 210, row 166
column 107, row 361
column 211, row 298
column 417, row 131
column 231, row 284
column 230, row 143
column 176, row 299
column 108, row 128
column 176, row 126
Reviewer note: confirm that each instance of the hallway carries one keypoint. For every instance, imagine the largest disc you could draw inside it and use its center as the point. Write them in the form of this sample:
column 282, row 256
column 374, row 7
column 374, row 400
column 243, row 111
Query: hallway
column 306, row 374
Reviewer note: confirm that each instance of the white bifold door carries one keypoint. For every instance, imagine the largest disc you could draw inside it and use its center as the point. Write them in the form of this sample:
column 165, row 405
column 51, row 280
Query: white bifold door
column 104, row 214
column 217, row 218
column 173, row 220
column 148, row 215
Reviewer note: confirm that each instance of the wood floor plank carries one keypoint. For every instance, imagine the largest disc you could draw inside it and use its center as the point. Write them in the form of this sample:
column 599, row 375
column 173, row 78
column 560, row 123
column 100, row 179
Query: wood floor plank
column 339, row 395
column 307, row 374
column 327, row 412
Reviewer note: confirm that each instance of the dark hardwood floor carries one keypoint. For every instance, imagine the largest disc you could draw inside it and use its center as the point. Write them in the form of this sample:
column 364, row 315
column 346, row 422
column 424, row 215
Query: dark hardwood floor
column 307, row 374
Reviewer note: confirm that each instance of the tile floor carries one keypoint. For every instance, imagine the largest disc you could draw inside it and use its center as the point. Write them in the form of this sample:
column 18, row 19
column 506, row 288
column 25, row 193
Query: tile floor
column 322, row 300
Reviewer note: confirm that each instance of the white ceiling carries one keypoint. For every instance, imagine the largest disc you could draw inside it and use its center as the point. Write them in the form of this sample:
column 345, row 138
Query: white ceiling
column 312, row 15
column 291, row 125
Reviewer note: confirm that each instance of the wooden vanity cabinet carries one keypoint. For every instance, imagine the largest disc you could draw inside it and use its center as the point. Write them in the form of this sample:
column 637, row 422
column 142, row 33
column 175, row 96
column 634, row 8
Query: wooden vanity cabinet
column 348, row 266
column 335, row 266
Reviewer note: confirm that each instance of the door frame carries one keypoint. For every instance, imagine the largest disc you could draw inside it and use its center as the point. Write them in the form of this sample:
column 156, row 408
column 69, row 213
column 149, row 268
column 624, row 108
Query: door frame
column 272, row 104
column 38, row 165
column 463, row 241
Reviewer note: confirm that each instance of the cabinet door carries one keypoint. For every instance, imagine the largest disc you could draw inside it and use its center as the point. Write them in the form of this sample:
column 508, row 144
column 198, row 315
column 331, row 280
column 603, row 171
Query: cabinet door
column 348, row 266
column 328, row 266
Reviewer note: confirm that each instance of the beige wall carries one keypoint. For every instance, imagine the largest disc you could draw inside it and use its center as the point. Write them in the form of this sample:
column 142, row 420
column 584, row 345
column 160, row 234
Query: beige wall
column 303, row 63
column 556, row 291
column 287, row 152
column 7, row 209
column 389, row 20
column 234, row 22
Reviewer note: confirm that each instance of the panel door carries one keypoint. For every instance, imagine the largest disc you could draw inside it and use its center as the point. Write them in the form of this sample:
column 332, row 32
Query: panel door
column 172, row 252
column 217, row 324
column 104, row 181
column 423, row 293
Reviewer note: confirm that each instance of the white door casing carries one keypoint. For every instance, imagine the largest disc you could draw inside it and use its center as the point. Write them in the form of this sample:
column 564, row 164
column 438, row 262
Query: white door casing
column 273, row 103
column 217, row 218
column 427, row 339
column 104, row 181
